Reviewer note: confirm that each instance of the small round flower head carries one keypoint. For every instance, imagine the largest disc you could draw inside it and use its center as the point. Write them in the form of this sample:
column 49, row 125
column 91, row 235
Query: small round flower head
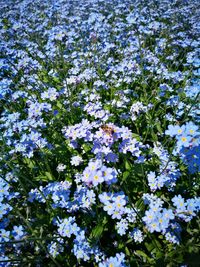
column 55, row 248
column 174, row 130
column 68, row 227
column 179, row 202
column 61, row 167
column 137, row 235
column 136, row 109
column 76, row 160
column 122, row 227
column 117, row 261
column 18, row 232
column 51, row 94
column 4, row 235
column 114, row 204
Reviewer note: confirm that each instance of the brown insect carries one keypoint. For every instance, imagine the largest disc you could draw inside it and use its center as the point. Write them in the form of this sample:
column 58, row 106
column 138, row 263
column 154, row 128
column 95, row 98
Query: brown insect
column 109, row 130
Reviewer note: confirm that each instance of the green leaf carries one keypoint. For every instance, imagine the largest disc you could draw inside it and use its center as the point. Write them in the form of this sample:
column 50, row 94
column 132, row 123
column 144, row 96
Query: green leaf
column 136, row 136
column 98, row 229
column 29, row 163
column 141, row 253
column 41, row 178
column 139, row 204
column 86, row 148
column 127, row 165
column 125, row 175
column 49, row 175
column 154, row 136
column 149, row 246
column 59, row 105
column 56, row 79
column 127, row 251
column 97, row 232
column 158, row 126
column 121, row 245
column 145, row 257
column 44, row 177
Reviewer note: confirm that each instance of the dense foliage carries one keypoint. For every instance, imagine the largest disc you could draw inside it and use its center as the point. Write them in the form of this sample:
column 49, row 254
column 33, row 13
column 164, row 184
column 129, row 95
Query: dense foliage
column 99, row 133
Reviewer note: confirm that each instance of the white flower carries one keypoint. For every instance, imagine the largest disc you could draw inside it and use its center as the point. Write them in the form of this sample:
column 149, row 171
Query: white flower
column 76, row 160
column 61, row 167
column 137, row 235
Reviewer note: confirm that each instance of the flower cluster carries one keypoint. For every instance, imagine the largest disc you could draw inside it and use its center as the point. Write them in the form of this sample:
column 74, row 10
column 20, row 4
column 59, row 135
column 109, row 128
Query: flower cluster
column 168, row 171
column 96, row 173
column 187, row 143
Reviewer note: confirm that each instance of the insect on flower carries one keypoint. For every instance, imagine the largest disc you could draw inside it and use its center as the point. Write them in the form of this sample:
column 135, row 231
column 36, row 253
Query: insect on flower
column 109, row 130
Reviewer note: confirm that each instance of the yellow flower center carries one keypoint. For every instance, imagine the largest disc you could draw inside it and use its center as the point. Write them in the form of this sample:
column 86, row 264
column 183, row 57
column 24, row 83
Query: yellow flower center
column 96, row 177
column 184, row 139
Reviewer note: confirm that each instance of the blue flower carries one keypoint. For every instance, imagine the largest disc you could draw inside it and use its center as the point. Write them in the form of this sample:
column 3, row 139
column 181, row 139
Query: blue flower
column 174, row 130
column 18, row 232
column 117, row 261
column 122, row 227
